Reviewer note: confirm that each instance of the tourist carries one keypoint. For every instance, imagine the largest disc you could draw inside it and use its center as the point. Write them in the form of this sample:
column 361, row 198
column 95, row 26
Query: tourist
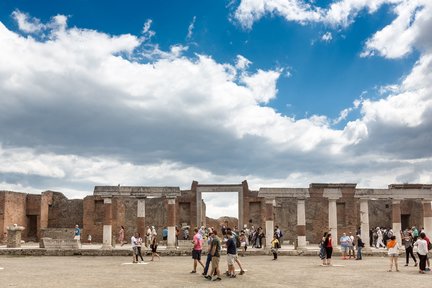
column 77, row 233
column 186, row 233
column 429, row 248
column 329, row 249
column 415, row 233
column 148, row 236
column 322, row 246
column 153, row 247
column 279, row 234
column 344, row 242
column 231, row 254
column 165, row 234
column 393, row 253
column 177, row 233
column 209, row 257
column 360, row 244
column 121, row 235
column 215, row 250
column 134, row 243
column 153, row 233
column 196, row 252
column 275, row 246
column 243, row 243
column 379, row 241
column 407, row 240
column 351, row 245
column 139, row 242
column 422, row 250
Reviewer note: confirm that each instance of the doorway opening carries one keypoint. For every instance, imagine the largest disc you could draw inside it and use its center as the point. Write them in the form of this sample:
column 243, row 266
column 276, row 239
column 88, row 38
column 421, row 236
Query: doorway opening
column 221, row 209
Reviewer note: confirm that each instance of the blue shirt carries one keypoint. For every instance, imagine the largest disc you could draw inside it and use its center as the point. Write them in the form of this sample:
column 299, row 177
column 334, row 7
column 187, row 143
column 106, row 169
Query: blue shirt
column 231, row 246
column 164, row 232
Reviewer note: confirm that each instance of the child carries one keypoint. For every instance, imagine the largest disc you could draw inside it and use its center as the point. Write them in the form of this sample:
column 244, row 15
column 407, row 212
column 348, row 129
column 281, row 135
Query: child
column 393, row 253
column 274, row 246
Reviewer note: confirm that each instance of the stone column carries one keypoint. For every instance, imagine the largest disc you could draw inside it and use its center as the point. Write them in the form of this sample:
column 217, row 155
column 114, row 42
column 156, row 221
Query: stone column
column 198, row 209
column 107, row 227
column 171, row 223
column 333, row 194
column 140, row 222
column 269, row 222
column 301, row 224
column 427, row 217
column 364, row 221
column 396, row 219
column 333, row 221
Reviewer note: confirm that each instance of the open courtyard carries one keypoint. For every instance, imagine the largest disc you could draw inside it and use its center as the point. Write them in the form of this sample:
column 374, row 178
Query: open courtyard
column 287, row 271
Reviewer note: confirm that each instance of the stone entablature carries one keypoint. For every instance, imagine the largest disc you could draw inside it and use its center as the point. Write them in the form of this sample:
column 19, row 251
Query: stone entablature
column 400, row 193
column 136, row 191
column 300, row 193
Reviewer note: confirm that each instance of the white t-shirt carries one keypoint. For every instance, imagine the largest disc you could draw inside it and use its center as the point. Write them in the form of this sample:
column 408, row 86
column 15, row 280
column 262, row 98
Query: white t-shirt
column 421, row 246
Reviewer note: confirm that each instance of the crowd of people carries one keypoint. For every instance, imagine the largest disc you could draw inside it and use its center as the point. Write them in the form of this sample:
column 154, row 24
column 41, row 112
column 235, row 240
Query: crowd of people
column 413, row 240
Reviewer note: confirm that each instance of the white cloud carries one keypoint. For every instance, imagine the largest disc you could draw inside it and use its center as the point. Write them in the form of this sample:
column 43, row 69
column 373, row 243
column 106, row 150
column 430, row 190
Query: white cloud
column 339, row 13
column 94, row 112
column 191, row 28
column 411, row 26
column 242, row 62
column 327, row 37
column 147, row 33
column 26, row 23
column 262, row 85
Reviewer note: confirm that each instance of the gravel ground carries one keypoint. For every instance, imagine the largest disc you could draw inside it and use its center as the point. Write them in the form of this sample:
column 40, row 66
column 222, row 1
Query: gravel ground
column 287, row 271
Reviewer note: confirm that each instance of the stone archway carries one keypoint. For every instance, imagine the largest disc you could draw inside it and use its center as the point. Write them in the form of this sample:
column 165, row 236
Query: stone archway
column 202, row 188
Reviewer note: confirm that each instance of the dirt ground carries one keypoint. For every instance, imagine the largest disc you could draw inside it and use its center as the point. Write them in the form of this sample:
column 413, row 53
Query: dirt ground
column 287, row 271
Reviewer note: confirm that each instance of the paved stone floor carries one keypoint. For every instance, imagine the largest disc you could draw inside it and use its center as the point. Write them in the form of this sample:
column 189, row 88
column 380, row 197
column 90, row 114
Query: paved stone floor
column 287, row 271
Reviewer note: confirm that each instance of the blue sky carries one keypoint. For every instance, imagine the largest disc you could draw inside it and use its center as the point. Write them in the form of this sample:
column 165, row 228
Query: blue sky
column 281, row 93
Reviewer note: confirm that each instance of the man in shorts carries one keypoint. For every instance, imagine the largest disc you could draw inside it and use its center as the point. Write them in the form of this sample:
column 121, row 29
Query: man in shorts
column 215, row 249
column 344, row 242
column 231, row 254
column 196, row 252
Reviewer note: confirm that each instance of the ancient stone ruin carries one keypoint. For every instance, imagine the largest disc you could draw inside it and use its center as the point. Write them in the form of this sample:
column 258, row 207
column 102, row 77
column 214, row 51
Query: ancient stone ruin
column 302, row 213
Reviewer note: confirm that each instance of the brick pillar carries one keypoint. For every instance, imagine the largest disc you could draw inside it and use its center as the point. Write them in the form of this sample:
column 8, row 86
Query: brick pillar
column 364, row 221
column 107, row 227
column 171, row 223
column 396, row 220
column 333, row 221
column 427, row 217
column 140, row 221
column 269, row 222
column 301, row 224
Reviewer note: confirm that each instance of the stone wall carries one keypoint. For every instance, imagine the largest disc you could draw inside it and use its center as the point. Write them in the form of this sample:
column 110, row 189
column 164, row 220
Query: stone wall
column 64, row 212
column 14, row 210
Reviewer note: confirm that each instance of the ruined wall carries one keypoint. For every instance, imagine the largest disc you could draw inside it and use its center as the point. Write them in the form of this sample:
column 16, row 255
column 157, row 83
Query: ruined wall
column 286, row 217
column 3, row 230
column 15, row 209
column 63, row 213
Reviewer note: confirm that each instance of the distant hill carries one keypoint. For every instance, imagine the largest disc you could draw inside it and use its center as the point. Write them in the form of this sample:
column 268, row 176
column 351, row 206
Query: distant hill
column 216, row 223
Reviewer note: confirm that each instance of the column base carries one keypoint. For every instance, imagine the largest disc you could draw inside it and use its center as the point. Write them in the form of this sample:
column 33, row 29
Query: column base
column 106, row 247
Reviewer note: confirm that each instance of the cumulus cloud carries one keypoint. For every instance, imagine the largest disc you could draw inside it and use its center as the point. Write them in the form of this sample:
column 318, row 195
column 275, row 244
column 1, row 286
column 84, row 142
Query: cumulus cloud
column 81, row 108
column 339, row 13
column 410, row 29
